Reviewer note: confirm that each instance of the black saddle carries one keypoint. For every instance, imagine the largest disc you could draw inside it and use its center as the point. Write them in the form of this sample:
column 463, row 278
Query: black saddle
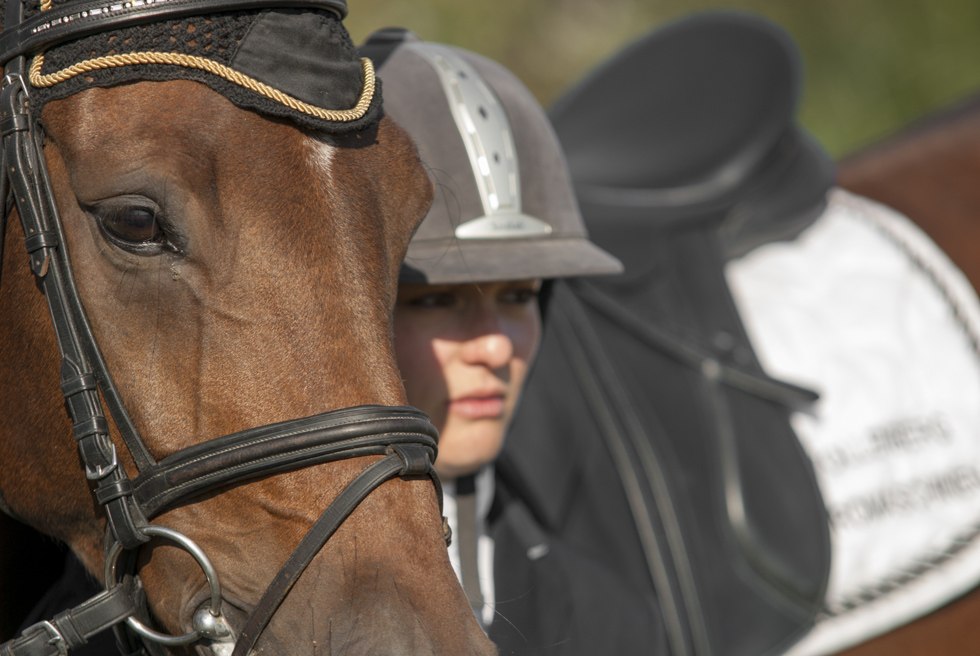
column 649, row 435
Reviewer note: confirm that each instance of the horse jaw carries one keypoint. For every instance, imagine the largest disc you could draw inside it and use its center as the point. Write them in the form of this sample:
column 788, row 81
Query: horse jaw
column 355, row 598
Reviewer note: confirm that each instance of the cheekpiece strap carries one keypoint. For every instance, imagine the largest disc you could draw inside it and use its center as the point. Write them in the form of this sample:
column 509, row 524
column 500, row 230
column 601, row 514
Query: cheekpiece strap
column 49, row 262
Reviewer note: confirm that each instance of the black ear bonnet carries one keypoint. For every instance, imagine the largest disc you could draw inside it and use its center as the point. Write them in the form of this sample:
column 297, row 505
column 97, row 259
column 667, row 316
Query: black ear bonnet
column 292, row 63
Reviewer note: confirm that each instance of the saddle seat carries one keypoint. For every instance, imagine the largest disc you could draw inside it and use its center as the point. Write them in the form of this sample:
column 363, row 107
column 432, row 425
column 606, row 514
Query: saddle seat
column 695, row 120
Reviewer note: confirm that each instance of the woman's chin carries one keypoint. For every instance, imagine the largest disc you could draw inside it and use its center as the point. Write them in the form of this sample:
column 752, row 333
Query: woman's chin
column 466, row 446
column 451, row 473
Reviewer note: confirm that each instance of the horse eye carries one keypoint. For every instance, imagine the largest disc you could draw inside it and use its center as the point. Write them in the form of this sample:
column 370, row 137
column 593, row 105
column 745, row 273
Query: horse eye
column 136, row 225
column 133, row 227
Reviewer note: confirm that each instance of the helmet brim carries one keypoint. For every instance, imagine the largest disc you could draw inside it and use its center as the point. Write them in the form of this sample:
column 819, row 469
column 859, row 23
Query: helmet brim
column 456, row 261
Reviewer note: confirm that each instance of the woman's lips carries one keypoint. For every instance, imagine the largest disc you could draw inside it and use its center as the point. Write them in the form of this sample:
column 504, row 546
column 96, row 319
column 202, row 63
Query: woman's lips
column 478, row 407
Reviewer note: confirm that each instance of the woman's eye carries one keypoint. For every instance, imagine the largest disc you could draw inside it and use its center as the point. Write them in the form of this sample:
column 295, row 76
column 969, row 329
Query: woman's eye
column 434, row 300
column 133, row 227
column 520, row 296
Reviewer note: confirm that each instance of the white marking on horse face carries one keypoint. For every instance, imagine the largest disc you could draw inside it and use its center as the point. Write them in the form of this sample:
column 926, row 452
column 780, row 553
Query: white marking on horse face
column 322, row 157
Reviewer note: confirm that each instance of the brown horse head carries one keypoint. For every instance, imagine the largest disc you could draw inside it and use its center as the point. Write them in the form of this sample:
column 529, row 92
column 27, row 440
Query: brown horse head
column 236, row 271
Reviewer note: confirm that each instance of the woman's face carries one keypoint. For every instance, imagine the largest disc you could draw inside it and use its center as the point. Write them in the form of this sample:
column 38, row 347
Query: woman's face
column 464, row 351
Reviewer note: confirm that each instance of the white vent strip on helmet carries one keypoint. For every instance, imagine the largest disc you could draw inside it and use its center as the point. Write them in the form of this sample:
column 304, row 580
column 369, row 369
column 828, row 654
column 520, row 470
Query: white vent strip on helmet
column 485, row 131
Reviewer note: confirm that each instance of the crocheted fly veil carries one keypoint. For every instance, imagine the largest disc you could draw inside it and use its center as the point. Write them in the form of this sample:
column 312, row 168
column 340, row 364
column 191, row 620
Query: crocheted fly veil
column 290, row 63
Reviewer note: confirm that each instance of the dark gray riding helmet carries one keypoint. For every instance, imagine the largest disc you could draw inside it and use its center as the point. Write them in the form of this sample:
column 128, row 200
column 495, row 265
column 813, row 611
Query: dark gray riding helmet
column 504, row 208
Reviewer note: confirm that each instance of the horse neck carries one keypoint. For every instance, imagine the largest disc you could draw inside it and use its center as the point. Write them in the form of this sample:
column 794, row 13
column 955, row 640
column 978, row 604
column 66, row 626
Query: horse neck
column 928, row 173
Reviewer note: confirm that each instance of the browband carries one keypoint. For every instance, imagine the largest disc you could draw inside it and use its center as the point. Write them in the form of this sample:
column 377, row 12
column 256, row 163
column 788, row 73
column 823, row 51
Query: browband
column 80, row 19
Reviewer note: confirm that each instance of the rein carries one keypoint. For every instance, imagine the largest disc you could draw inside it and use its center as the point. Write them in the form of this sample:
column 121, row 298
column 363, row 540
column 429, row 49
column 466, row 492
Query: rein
column 403, row 437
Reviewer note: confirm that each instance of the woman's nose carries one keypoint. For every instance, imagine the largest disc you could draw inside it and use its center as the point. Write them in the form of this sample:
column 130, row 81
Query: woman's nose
column 492, row 349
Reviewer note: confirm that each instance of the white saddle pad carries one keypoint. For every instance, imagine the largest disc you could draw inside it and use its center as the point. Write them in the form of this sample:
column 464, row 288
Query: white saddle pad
column 863, row 308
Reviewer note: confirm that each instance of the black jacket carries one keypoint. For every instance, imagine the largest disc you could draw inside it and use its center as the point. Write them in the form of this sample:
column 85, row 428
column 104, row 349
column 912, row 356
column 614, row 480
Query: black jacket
column 552, row 599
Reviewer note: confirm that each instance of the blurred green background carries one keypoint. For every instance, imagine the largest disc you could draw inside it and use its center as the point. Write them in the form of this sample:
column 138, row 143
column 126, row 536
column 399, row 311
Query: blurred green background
column 871, row 66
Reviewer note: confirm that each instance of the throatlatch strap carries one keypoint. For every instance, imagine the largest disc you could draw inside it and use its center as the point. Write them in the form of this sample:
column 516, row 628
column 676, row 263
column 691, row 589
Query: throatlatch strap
column 73, row 628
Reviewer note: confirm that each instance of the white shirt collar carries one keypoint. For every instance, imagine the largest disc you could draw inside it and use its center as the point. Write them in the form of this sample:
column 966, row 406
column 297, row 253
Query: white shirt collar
column 484, row 484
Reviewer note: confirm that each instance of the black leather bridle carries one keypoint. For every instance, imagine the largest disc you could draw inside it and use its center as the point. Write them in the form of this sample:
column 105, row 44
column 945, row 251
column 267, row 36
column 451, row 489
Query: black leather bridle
column 402, row 435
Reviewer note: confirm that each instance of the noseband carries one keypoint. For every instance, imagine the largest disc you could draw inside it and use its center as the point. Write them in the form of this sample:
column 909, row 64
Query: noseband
column 402, row 436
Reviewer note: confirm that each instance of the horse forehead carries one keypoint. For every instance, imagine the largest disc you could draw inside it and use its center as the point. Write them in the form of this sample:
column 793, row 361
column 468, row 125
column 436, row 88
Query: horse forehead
column 321, row 156
column 145, row 109
column 182, row 128
column 157, row 123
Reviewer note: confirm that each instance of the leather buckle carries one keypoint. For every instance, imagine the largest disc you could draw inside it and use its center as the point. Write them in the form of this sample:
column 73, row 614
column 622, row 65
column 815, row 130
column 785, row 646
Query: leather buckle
column 55, row 640
column 95, row 472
